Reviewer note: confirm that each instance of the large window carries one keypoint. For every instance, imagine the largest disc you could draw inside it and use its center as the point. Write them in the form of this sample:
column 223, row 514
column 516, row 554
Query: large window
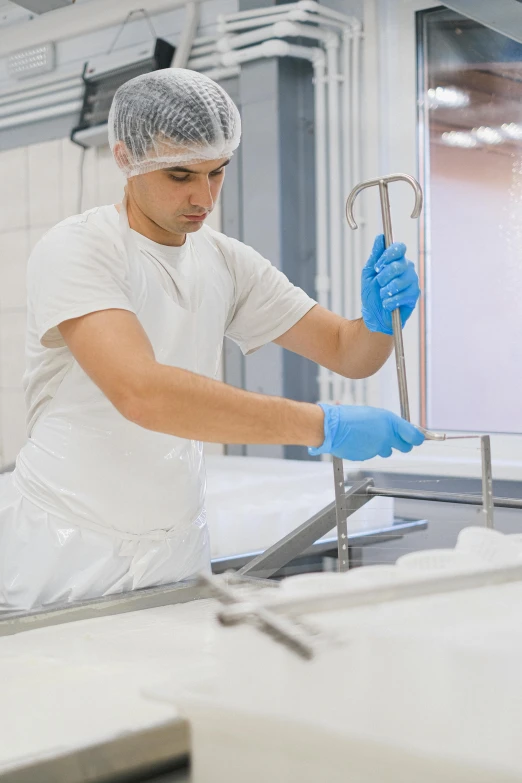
column 470, row 94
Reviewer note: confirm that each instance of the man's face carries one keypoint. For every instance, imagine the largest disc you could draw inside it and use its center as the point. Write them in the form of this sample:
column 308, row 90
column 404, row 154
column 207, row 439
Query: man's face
column 178, row 199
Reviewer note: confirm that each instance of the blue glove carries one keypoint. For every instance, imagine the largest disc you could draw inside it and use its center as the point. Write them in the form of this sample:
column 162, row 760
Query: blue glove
column 389, row 281
column 359, row 433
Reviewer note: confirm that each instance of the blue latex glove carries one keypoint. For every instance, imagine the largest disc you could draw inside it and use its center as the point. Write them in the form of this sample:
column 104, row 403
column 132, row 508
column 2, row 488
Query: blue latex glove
column 389, row 281
column 359, row 433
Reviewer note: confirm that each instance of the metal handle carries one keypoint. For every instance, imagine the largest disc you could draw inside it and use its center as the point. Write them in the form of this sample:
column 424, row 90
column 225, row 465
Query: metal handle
column 382, row 183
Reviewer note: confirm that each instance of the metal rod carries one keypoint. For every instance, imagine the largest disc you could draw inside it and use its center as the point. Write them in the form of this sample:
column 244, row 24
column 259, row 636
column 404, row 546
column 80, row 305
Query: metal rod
column 400, row 362
column 383, row 183
column 343, row 559
column 279, row 628
column 443, row 497
column 488, row 508
column 429, row 585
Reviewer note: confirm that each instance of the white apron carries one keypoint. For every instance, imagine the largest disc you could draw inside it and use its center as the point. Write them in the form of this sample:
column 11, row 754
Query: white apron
column 121, row 507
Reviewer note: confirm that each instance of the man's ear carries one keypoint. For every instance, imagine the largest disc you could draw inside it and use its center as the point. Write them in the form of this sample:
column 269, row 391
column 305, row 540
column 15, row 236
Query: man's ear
column 121, row 155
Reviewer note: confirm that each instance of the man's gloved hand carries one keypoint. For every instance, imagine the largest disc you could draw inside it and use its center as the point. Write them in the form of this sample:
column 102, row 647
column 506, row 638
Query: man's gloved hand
column 389, row 281
column 359, row 433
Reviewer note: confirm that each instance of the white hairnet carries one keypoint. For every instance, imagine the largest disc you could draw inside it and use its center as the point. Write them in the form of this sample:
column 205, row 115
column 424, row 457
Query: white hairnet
column 169, row 118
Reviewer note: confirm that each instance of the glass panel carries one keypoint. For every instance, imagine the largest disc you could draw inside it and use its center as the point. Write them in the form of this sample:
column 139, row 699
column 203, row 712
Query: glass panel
column 471, row 144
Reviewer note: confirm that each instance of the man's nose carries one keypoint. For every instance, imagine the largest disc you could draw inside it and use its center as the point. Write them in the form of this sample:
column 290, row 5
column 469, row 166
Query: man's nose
column 201, row 195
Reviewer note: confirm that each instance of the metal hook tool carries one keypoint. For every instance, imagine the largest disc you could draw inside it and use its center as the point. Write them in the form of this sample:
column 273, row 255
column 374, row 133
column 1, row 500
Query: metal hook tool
column 382, row 183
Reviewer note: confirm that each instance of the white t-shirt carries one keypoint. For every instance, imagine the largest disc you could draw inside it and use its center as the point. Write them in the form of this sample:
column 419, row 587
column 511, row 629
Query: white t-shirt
column 79, row 267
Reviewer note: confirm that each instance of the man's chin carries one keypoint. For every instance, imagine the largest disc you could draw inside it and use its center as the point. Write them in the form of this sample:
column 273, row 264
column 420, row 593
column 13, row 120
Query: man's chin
column 190, row 226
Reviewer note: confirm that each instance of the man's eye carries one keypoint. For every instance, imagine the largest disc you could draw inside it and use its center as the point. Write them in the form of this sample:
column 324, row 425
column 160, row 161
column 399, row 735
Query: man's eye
column 217, row 173
column 179, row 178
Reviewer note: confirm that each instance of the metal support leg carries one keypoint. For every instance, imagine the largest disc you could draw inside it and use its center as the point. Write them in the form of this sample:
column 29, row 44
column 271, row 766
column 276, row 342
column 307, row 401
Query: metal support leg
column 341, row 516
column 488, row 506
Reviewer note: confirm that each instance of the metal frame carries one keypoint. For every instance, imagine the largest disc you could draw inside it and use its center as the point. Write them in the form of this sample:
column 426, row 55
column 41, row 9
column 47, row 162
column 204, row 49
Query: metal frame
column 300, row 539
column 156, row 751
column 134, row 601
column 360, row 492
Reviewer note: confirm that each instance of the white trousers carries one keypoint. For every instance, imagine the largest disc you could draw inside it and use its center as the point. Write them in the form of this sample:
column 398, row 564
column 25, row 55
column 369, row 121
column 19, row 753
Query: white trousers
column 45, row 560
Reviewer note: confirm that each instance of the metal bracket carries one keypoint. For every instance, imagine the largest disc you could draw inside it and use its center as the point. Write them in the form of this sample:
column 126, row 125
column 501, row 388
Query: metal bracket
column 298, row 541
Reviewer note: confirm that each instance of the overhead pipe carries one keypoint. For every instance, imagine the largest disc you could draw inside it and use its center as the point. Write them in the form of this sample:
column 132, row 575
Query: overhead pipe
column 40, row 101
column 223, row 19
column 295, row 15
column 184, row 47
column 41, row 114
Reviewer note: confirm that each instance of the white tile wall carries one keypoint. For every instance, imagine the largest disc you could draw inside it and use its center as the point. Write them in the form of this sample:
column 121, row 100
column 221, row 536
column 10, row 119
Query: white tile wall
column 110, row 180
column 14, row 211
column 12, row 342
column 45, row 198
column 89, row 194
column 70, row 176
column 14, row 249
column 40, row 185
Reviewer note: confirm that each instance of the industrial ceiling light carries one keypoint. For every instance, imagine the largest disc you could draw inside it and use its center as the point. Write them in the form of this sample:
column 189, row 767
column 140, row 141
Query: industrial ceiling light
column 488, row 135
column 447, row 97
column 103, row 76
column 462, row 139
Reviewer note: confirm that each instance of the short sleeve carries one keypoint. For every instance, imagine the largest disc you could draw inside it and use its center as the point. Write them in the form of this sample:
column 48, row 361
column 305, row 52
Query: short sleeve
column 267, row 304
column 74, row 270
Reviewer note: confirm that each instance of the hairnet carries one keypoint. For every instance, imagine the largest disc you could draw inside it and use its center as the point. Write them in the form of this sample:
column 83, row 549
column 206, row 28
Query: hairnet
column 169, row 118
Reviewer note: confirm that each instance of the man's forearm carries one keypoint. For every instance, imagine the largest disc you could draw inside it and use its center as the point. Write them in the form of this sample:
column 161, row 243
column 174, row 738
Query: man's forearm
column 191, row 406
column 361, row 353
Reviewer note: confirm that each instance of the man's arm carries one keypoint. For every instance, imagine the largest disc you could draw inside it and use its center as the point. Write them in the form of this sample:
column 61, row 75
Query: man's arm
column 113, row 349
column 357, row 349
column 346, row 347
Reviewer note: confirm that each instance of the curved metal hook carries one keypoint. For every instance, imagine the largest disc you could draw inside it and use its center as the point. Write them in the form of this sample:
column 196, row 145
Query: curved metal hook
column 383, row 182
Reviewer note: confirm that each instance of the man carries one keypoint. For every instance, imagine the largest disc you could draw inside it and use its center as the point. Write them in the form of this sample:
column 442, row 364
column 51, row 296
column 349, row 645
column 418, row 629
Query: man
column 127, row 309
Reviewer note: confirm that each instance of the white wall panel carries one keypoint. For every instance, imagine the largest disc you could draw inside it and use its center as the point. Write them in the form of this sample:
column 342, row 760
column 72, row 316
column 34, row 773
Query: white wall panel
column 70, row 174
column 14, row 249
column 14, row 194
column 44, row 165
column 12, row 342
column 12, row 424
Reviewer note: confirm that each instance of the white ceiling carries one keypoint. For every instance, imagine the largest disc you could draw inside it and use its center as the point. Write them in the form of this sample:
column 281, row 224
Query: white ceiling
column 11, row 14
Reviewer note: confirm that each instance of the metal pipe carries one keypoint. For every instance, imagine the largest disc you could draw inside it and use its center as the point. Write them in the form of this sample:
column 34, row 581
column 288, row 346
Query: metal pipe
column 251, row 13
column 322, row 280
column 74, row 93
column 443, row 497
column 182, row 54
column 41, row 114
column 335, row 195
